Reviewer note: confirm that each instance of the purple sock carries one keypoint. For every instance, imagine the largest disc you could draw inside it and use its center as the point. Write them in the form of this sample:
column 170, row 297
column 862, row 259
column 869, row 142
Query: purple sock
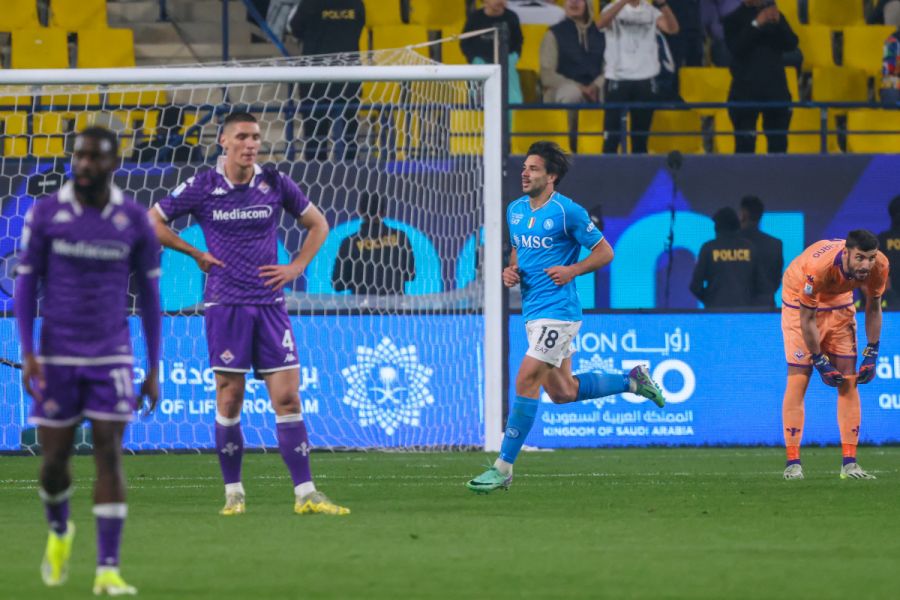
column 795, row 461
column 56, row 507
column 293, row 443
column 849, row 459
column 229, row 447
column 110, row 520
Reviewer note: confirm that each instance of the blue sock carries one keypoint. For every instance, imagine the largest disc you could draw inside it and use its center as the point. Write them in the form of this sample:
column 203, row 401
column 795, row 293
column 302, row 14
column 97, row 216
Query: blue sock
column 597, row 385
column 521, row 418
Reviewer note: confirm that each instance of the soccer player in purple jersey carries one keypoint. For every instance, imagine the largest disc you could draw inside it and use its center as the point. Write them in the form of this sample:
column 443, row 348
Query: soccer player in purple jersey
column 81, row 245
column 238, row 206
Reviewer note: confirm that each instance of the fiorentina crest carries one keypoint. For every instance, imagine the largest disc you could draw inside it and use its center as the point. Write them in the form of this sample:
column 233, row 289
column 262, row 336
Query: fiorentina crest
column 387, row 386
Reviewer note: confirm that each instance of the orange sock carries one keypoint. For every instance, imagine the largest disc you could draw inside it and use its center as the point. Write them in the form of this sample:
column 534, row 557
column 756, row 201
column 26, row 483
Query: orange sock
column 793, row 453
column 849, row 415
column 792, row 411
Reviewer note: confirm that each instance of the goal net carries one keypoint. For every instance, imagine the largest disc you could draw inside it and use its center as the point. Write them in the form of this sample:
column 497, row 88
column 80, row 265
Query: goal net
column 396, row 331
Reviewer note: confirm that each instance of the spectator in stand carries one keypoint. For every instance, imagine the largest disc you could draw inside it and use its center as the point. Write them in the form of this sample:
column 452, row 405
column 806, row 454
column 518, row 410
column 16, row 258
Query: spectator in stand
column 757, row 36
column 768, row 248
column 886, row 12
column 890, row 71
column 712, row 13
column 632, row 63
column 480, row 50
column 572, row 57
column 537, row 12
column 687, row 44
column 728, row 274
column 889, row 244
column 328, row 27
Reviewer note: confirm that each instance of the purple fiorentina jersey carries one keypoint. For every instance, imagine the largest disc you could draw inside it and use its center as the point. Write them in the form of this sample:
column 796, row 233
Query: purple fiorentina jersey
column 240, row 224
column 85, row 256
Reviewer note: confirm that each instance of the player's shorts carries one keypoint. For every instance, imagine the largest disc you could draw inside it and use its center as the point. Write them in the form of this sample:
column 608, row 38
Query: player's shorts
column 101, row 393
column 245, row 337
column 837, row 334
column 550, row 340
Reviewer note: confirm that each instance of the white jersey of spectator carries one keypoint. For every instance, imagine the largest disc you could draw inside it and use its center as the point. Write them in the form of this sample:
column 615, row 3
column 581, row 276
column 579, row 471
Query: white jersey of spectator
column 536, row 12
column 632, row 52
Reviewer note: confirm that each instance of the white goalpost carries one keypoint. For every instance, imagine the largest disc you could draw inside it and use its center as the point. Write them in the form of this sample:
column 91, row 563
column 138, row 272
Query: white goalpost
column 421, row 367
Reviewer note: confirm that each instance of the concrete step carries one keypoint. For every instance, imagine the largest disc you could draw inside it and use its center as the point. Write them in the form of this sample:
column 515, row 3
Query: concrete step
column 213, row 52
column 204, row 10
column 155, row 33
column 124, row 14
column 163, row 53
column 205, row 32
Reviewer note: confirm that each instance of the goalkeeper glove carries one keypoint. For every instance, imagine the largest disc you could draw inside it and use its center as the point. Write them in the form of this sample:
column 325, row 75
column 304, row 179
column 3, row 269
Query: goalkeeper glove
column 867, row 368
column 830, row 375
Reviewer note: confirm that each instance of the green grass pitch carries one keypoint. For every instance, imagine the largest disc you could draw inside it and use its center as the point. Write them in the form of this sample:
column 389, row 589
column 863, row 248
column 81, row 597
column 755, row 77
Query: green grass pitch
column 642, row 523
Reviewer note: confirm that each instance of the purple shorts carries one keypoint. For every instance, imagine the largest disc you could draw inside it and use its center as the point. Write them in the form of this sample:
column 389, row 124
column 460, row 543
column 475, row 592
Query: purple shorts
column 102, row 393
column 242, row 337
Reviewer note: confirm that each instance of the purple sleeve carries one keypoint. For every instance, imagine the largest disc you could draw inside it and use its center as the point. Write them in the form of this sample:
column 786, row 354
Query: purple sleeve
column 183, row 200
column 145, row 264
column 293, row 200
column 31, row 267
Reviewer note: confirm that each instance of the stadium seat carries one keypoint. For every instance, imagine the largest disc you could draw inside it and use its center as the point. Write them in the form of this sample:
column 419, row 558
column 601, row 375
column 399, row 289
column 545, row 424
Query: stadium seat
column 49, row 135
column 19, row 14
column 383, row 12
column 835, row 13
column 39, row 49
column 75, row 15
column 451, row 52
column 126, row 96
column 9, row 99
column 704, row 84
column 815, row 42
column 397, row 36
column 839, row 84
column 810, row 120
column 865, row 119
column 590, row 131
column 864, row 47
column 105, row 48
column 68, row 97
column 15, row 134
column 466, row 132
column 676, row 121
column 532, row 35
column 543, row 124
column 793, row 83
column 790, row 11
column 435, row 15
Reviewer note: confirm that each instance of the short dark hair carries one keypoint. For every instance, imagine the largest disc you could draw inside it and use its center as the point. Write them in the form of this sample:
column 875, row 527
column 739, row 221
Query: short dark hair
column 894, row 208
column 101, row 134
column 238, row 117
column 726, row 219
column 556, row 161
column 754, row 207
column 862, row 239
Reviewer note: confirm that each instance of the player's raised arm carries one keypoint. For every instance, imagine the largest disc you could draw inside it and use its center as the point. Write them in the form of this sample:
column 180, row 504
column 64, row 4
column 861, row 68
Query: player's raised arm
column 600, row 256
column 312, row 219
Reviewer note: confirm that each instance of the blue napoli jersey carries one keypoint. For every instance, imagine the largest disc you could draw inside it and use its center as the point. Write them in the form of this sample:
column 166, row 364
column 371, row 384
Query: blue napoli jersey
column 547, row 237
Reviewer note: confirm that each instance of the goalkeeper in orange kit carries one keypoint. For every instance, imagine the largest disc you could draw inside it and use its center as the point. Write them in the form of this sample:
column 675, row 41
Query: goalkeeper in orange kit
column 818, row 320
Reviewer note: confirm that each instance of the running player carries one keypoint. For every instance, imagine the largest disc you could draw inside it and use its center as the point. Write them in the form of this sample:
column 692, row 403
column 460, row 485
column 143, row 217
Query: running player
column 238, row 206
column 81, row 245
column 548, row 231
column 818, row 321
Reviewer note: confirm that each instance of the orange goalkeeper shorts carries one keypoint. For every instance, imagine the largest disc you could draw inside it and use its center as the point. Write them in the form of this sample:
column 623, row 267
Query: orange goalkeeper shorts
column 837, row 334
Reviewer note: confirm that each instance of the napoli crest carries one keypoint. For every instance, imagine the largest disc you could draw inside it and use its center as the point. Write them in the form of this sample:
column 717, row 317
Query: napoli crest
column 548, row 224
column 387, row 386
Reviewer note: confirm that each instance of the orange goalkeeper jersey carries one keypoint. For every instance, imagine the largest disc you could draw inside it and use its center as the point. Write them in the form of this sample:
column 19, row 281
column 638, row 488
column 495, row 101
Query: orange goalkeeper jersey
column 816, row 278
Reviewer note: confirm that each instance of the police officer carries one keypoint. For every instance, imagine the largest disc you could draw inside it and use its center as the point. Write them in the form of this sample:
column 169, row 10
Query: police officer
column 769, row 248
column 728, row 273
column 889, row 243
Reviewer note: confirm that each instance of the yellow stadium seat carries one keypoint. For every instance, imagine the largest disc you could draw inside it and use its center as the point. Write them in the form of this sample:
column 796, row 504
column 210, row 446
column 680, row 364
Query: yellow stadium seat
column 864, row 47
column 435, row 15
column 451, row 52
column 676, row 121
column 105, row 48
column 704, row 84
column 39, row 49
column 126, row 96
column 397, row 36
column 383, row 12
column 835, row 13
column 19, row 14
column 865, row 119
column 532, row 35
column 466, row 132
column 590, row 131
column 49, row 135
column 75, row 15
column 15, row 97
column 790, row 11
column 793, row 84
column 839, row 84
column 810, row 120
column 542, row 124
column 64, row 97
column 815, row 42
column 15, row 134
